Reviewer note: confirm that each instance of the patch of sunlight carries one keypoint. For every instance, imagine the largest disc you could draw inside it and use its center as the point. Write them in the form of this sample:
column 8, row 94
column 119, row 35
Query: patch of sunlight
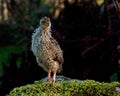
column 100, row 2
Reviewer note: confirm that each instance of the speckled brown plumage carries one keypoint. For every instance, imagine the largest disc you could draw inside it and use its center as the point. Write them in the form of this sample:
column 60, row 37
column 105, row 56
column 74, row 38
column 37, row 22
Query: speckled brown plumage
column 46, row 49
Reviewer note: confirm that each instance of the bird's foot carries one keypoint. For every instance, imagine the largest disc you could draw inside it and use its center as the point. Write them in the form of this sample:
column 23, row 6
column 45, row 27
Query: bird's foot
column 53, row 81
column 49, row 79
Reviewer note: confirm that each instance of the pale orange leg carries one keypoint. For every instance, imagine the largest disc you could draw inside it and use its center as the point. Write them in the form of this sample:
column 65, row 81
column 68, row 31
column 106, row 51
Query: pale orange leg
column 54, row 77
column 49, row 75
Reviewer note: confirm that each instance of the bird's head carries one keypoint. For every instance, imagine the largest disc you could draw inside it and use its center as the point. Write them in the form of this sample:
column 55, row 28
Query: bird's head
column 45, row 23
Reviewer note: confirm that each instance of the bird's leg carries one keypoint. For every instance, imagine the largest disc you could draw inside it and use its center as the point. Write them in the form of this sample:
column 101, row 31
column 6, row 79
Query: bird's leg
column 49, row 75
column 54, row 77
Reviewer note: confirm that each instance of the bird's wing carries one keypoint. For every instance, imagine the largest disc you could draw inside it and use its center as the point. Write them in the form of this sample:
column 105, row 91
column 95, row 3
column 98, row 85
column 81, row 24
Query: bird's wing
column 55, row 48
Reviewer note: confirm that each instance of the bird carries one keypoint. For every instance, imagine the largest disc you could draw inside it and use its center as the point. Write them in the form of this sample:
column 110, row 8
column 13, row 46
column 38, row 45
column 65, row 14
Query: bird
column 46, row 49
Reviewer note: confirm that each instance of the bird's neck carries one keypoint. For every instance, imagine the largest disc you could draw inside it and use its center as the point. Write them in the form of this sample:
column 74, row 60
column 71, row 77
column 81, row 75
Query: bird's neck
column 46, row 32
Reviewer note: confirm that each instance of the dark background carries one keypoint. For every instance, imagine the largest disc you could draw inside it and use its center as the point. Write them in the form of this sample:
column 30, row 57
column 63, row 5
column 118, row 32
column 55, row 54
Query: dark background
column 88, row 32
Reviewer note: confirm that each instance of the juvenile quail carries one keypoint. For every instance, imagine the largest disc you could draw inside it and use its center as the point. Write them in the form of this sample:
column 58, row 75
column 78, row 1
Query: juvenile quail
column 46, row 49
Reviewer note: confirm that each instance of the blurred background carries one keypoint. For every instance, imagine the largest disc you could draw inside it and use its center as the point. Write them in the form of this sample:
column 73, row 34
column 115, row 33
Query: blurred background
column 88, row 32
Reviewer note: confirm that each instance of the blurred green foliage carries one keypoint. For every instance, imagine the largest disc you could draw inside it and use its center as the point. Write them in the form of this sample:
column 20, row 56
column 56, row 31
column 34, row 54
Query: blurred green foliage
column 67, row 88
column 5, row 53
column 15, row 33
column 23, row 16
column 114, row 77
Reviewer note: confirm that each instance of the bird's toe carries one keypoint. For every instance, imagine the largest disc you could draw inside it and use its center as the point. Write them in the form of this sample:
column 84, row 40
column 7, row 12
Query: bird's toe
column 53, row 81
column 49, row 79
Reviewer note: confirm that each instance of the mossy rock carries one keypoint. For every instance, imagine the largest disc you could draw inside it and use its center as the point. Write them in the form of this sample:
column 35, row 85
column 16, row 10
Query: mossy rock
column 67, row 88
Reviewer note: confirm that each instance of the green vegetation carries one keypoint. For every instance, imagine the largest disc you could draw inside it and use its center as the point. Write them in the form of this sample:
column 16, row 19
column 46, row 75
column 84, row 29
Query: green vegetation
column 67, row 88
column 6, row 51
column 100, row 2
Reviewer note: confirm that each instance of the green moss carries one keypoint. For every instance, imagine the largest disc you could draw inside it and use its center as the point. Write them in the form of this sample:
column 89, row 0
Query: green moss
column 67, row 88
